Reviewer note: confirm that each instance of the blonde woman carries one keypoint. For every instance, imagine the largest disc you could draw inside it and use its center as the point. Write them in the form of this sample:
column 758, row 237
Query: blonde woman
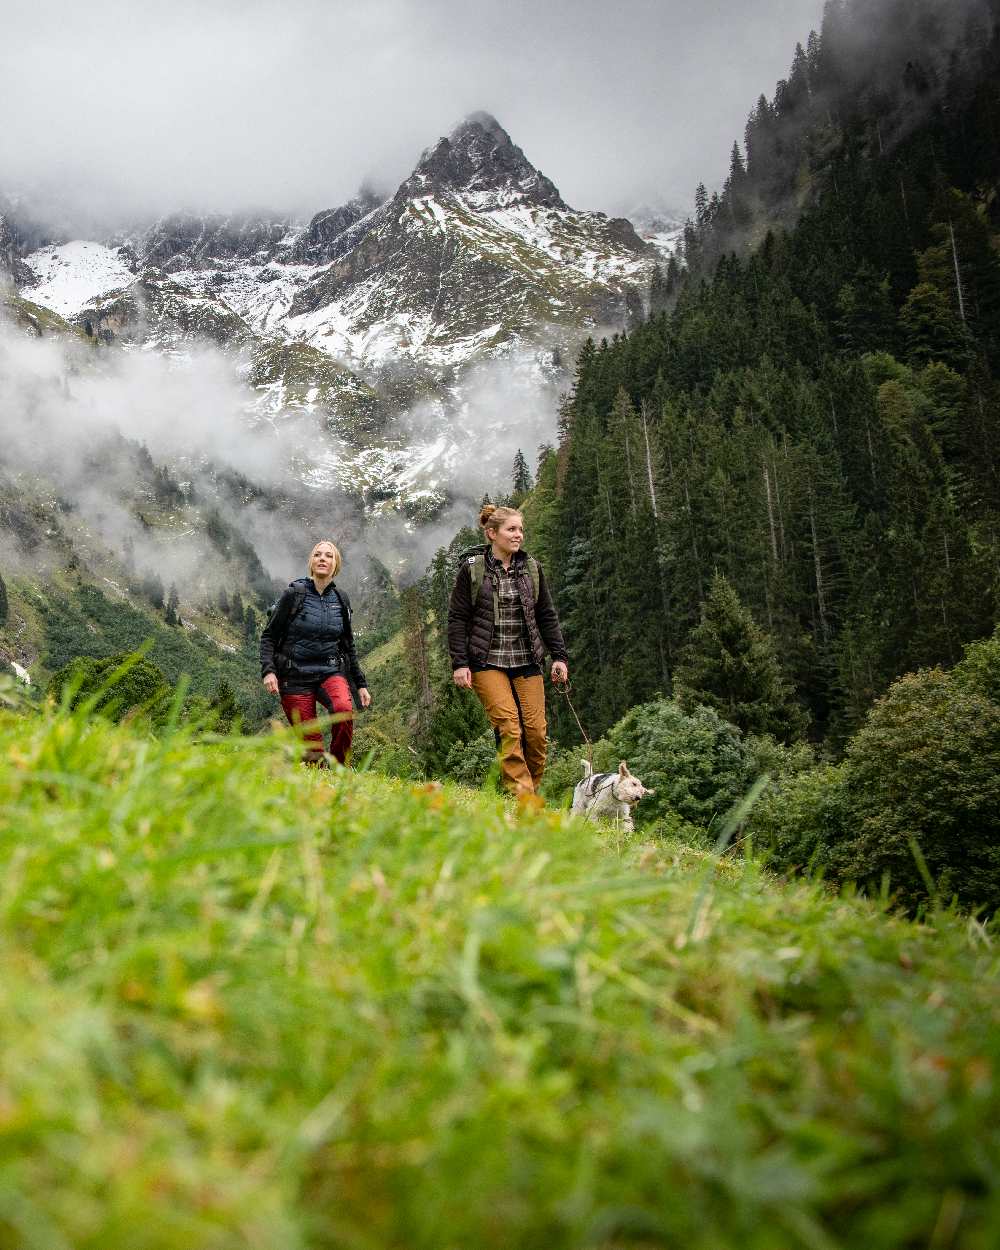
column 307, row 654
column 501, row 622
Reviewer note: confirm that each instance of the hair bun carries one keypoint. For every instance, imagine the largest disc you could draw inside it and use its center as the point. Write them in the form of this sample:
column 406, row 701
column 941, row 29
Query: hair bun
column 486, row 512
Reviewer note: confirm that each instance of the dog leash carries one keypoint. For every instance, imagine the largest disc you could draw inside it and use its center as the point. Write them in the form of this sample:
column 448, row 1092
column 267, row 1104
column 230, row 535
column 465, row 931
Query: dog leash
column 563, row 689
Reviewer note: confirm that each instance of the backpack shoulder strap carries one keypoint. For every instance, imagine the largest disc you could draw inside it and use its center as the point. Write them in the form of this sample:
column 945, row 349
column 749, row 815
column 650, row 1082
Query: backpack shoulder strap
column 477, row 571
column 533, row 570
column 286, row 609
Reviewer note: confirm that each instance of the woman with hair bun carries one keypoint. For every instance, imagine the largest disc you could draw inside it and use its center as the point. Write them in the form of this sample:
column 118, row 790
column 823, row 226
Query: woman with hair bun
column 501, row 621
column 307, row 654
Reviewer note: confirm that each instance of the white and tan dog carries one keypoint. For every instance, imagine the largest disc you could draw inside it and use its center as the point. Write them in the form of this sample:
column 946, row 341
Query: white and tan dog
column 608, row 796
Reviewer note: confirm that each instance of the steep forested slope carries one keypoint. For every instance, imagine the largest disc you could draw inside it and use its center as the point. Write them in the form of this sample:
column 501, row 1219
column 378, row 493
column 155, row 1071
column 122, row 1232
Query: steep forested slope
column 812, row 409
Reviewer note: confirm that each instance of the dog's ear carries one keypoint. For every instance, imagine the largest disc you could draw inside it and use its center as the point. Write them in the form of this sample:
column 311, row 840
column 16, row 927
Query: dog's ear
column 623, row 770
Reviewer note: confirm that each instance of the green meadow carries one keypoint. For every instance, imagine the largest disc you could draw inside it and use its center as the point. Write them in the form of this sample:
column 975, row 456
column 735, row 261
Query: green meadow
column 243, row 1005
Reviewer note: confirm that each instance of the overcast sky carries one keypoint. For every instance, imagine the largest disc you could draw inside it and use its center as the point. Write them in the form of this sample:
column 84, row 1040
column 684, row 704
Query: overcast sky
column 158, row 104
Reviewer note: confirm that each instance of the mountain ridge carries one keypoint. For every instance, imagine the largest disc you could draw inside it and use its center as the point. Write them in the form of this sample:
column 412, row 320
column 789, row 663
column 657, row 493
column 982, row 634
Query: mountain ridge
column 474, row 257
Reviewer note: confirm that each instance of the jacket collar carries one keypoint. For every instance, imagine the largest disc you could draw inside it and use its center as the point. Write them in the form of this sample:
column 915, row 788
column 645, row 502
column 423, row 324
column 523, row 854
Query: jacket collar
column 517, row 560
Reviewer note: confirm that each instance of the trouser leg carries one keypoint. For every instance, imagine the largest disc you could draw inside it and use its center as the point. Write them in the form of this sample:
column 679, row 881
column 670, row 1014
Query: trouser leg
column 497, row 697
column 530, row 694
column 300, row 709
column 335, row 695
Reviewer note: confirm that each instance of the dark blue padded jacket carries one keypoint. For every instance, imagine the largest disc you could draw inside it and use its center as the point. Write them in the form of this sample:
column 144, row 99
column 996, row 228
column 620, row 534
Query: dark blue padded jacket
column 306, row 646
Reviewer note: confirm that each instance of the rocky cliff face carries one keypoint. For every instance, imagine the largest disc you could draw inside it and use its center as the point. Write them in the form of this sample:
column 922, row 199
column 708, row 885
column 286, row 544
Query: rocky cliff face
column 12, row 249
column 370, row 306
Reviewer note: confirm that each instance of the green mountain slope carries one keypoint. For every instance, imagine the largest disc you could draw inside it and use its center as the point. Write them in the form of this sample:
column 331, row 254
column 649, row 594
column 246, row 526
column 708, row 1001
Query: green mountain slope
column 243, row 1005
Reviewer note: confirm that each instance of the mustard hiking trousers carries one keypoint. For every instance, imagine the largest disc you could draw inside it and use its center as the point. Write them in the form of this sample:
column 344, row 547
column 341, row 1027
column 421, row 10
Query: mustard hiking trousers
column 516, row 710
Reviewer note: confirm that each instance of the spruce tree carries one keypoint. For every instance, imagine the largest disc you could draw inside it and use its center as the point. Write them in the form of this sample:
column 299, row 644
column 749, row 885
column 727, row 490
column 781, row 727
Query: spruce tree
column 173, row 603
column 933, row 331
column 521, row 476
column 730, row 664
column 4, row 602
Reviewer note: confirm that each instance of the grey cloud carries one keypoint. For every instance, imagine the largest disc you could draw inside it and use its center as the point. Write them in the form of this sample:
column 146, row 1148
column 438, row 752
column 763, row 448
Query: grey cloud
column 141, row 107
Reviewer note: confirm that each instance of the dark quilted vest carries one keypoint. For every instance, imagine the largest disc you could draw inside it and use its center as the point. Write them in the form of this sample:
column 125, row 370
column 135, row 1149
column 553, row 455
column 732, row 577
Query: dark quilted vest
column 481, row 629
column 311, row 645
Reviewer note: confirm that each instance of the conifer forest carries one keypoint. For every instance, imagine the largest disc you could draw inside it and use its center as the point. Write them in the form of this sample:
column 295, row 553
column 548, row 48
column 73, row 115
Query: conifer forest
column 808, row 419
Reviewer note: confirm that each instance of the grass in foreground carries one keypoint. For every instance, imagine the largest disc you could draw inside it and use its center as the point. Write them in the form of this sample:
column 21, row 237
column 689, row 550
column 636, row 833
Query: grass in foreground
column 246, row 1006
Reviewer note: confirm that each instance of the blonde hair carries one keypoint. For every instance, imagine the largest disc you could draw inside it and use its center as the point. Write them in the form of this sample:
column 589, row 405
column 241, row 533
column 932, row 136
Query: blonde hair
column 491, row 518
column 337, row 558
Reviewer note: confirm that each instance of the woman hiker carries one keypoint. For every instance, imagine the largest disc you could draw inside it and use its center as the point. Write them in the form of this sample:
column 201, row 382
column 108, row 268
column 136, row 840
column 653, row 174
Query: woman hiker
column 501, row 621
column 307, row 655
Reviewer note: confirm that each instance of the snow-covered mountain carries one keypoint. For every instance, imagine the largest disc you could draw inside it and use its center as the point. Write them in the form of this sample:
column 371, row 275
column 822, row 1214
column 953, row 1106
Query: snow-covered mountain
column 369, row 309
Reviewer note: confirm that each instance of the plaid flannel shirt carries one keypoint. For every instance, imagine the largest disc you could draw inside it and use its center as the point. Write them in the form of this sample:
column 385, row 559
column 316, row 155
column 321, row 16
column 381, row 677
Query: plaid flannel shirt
column 511, row 646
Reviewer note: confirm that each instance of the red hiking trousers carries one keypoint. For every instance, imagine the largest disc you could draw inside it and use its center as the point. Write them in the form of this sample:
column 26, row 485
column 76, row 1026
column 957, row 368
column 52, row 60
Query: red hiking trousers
column 335, row 696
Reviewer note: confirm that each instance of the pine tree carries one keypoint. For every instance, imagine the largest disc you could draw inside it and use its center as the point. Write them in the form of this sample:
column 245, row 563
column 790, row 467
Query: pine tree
column 4, row 602
column 521, row 476
column 867, row 319
column 932, row 329
column 173, row 603
column 731, row 665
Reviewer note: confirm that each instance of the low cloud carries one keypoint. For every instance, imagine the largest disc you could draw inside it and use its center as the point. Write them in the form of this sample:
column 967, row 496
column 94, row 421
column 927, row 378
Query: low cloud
column 74, row 422
column 144, row 107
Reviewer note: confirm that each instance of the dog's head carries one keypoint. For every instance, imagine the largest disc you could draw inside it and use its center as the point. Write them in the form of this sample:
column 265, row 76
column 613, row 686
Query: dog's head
column 629, row 789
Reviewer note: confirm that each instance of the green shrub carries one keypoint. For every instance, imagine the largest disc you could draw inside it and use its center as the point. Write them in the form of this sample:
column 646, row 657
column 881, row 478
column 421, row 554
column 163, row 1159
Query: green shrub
column 779, row 760
column 470, row 762
column 802, row 821
column 380, row 745
column 926, row 766
column 141, row 688
column 979, row 668
column 697, row 763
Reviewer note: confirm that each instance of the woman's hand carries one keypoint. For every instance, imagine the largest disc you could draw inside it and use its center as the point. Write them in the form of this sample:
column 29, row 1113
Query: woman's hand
column 560, row 673
column 271, row 683
column 365, row 696
column 462, row 677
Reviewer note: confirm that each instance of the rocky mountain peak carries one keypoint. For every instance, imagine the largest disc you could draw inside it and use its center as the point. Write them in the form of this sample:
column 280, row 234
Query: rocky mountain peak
column 184, row 240
column 480, row 159
column 318, row 243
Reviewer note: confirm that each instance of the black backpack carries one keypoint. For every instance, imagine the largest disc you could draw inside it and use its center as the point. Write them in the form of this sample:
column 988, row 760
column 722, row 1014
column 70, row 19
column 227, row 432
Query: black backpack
column 298, row 598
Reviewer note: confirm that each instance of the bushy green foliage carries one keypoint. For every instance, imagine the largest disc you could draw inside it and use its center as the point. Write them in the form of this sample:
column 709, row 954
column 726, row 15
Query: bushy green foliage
column 123, row 685
column 804, row 821
column 926, row 767
column 247, row 1005
column 471, row 762
column 88, row 623
column 698, row 764
column 979, row 667
column 456, row 717
column 382, row 744
column 224, row 707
